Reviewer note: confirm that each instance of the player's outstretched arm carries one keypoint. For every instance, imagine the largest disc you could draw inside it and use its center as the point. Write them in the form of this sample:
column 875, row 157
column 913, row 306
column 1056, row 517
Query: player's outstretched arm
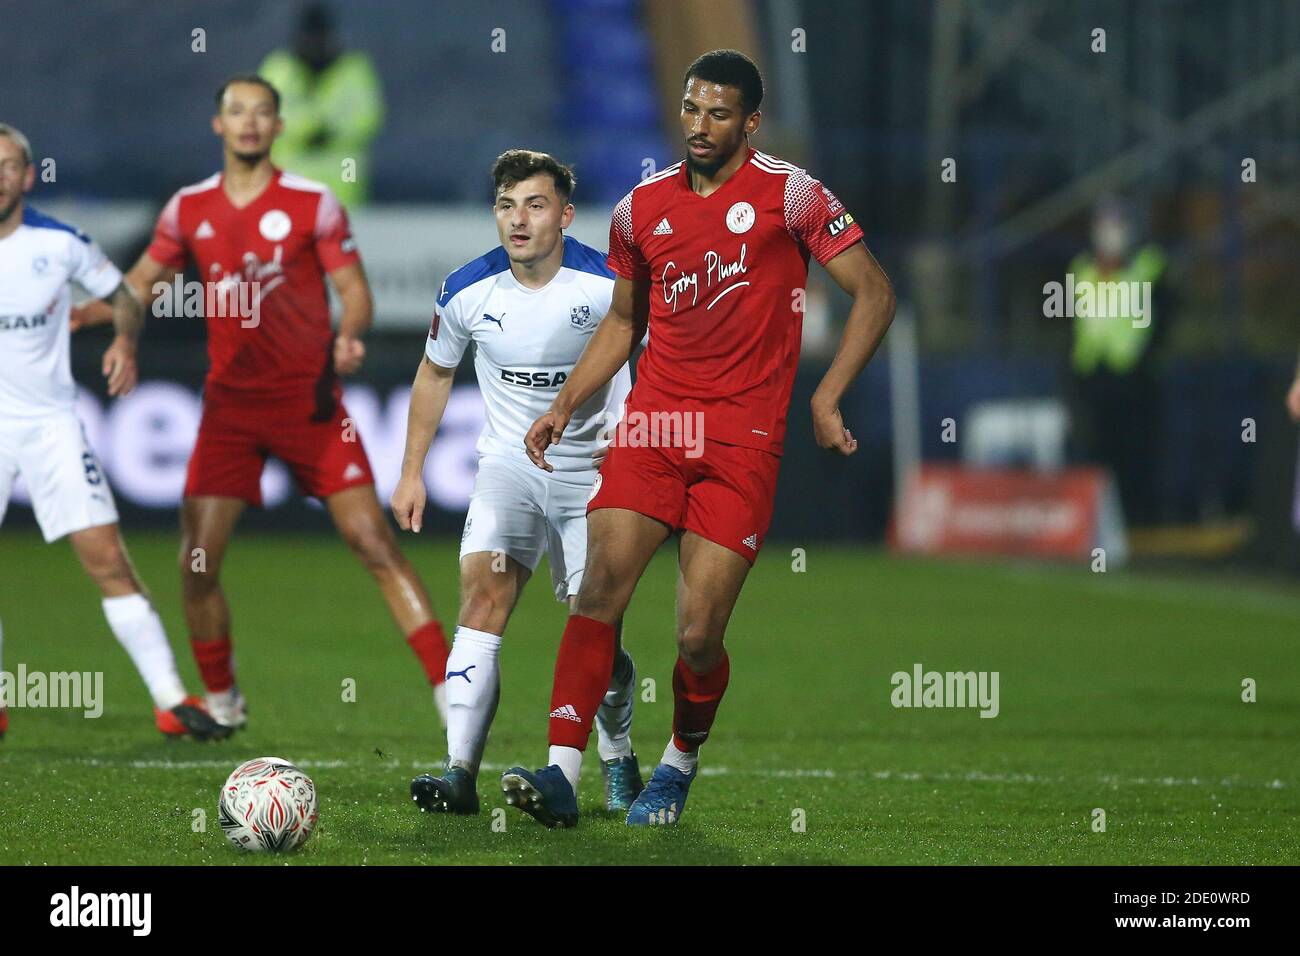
column 856, row 271
column 608, row 350
column 119, row 366
column 358, row 310
column 428, row 402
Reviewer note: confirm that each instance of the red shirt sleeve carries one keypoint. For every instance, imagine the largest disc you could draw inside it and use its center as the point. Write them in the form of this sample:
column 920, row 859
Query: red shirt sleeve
column 335, row 246
column 816, row 219
column 168, row 246
column 625, row 256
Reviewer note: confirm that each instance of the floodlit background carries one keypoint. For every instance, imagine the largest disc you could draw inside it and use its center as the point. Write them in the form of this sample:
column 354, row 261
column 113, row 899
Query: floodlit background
column 988, row 148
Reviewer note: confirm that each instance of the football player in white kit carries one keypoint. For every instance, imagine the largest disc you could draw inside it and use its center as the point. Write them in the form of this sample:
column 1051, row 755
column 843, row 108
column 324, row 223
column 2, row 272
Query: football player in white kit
column 529, row 306
column 42, row 439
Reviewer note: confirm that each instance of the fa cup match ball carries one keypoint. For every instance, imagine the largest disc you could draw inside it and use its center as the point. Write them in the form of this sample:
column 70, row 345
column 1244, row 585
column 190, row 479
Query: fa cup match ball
column 267, row 806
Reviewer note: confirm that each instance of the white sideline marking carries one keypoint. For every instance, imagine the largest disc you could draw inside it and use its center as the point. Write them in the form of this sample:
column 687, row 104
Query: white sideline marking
column 907, row 776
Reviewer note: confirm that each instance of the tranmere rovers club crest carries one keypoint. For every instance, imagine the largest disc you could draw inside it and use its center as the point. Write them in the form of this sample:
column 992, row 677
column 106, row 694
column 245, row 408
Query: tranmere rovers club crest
column 580, row 316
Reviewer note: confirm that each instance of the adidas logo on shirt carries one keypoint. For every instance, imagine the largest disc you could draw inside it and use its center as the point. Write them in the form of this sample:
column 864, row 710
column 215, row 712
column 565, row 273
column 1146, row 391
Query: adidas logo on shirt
column 663, row 229
column 566, row 713
column 751, row 542
column 205, row 230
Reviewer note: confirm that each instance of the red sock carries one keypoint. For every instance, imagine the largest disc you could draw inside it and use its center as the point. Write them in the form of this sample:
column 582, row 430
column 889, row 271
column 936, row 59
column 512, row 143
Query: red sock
column 582, row 671
column 216, row 665
column 430, row 646
column 695, row 702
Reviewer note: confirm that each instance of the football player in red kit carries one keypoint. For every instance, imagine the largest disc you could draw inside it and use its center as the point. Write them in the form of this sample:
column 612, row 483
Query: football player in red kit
column 713, row 253
column 264, row 242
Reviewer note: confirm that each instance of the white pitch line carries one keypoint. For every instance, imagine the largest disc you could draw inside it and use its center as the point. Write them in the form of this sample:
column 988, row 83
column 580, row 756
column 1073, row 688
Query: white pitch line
column 906, row 776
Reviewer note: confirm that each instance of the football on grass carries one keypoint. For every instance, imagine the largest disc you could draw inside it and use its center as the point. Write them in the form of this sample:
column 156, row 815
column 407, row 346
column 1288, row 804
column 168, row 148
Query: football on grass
column 267, row 806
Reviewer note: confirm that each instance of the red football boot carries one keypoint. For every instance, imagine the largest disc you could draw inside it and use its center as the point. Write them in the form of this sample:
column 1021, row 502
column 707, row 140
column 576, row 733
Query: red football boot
column 190, row 718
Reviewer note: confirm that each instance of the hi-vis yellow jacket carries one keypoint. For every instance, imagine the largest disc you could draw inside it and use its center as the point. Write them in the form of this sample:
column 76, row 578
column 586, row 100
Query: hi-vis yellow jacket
column 1114, row 341
column 345, row 102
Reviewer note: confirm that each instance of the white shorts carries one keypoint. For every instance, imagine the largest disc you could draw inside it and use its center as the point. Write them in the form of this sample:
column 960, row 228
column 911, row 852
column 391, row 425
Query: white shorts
column 67, row 485
column 518, row 509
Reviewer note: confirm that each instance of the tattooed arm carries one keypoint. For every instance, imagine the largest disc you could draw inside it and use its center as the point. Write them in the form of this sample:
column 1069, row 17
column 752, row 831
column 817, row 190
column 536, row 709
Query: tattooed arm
column 119, row 360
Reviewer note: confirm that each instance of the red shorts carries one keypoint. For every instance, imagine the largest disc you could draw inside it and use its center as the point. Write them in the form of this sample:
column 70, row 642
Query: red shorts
column 726, row 494
column 235, row 438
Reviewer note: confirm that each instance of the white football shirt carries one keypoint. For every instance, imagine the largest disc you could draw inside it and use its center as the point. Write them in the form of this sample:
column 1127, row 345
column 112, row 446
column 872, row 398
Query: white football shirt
column 526, row 342
column 37, row 261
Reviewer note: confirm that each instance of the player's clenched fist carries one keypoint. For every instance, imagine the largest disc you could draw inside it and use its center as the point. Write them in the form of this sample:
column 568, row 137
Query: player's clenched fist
column 828, row 427
column 408, row 503
column 349, row 353
column 546, row 431
column 1293, row 400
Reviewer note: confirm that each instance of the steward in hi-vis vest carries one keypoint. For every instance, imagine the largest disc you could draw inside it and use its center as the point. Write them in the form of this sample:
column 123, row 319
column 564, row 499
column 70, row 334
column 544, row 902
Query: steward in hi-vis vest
column 1120, row 312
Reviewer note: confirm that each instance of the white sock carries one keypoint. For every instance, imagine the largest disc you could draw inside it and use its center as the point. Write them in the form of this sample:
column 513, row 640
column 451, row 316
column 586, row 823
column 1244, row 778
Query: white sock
column 683, row 761
column 138, row 628
column 614, row 718
column 473, row 686
column 569, row 760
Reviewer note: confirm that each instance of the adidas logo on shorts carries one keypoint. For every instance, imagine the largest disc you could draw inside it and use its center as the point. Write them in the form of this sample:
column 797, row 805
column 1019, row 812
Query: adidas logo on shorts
column 566, row 713
column 353, row 470
column 663, row 229
column 751, row 542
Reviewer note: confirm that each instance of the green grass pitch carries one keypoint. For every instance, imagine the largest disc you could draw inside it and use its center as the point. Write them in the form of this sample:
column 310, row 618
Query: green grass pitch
column 1119, row 691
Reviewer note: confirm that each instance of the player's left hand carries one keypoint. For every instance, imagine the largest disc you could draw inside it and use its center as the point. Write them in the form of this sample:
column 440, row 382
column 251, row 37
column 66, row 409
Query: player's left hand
column 349, row 353
column 828, row 427
column 119, row 366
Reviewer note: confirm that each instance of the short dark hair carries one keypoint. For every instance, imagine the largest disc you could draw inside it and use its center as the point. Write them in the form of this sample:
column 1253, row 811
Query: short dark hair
column 248, row 78
column 729, row 68
column 515, row 165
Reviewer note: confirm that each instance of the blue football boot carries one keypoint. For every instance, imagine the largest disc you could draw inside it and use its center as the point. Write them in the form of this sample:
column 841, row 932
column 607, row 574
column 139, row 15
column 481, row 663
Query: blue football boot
column 662, row 801
column 622, row 782
column 545, row 795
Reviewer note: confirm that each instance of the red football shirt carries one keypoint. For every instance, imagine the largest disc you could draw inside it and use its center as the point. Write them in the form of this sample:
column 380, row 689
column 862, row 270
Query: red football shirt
column 726, row 274
column 274, row 254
